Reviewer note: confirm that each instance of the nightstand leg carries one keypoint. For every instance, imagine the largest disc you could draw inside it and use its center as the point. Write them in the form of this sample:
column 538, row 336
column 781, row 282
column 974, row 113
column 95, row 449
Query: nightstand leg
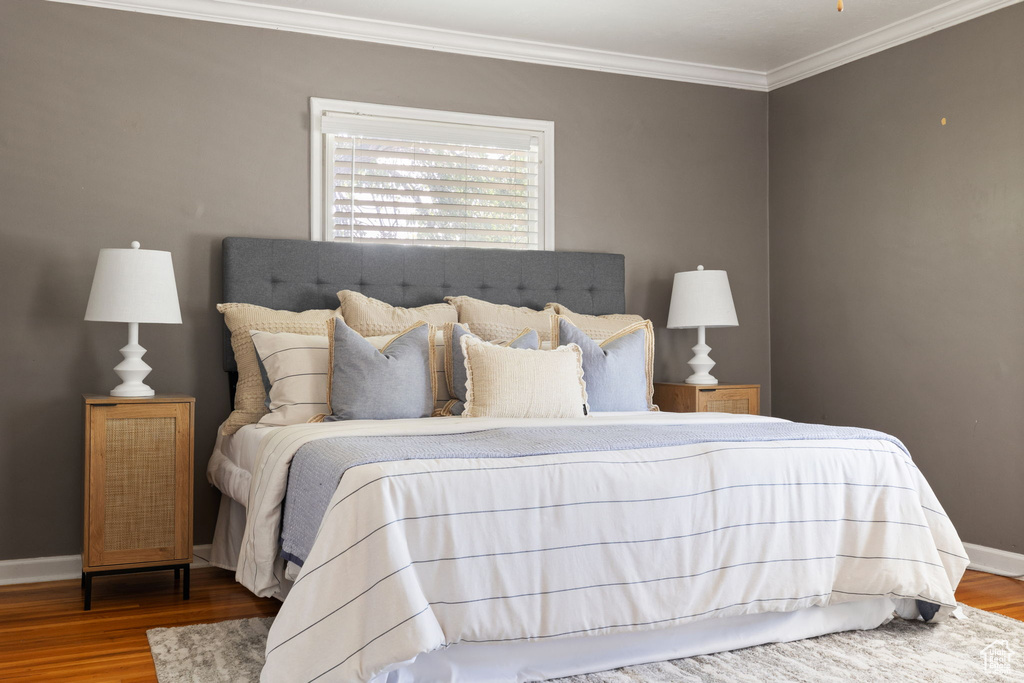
column 186, row 581
column 177, row 574
column 87, row 583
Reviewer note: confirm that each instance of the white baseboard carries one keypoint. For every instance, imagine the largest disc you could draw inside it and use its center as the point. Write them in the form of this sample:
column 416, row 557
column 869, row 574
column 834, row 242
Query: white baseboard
column 61, row 567
column 994, row 561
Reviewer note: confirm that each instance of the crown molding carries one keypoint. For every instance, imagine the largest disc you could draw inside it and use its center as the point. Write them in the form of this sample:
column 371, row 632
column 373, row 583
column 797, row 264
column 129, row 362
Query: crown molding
column 904, row 31
column 243, row 13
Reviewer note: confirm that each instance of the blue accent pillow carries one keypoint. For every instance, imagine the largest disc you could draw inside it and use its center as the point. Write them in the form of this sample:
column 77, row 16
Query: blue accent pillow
column 393, row 383
column 455, row 361
column 619, row 371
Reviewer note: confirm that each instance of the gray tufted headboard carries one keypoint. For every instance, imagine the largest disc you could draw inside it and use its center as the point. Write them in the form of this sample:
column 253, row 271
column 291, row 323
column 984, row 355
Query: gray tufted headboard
column 297, row 275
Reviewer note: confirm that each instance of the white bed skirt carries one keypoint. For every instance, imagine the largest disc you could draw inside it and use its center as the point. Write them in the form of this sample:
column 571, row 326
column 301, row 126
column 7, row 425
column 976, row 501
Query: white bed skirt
column 543, row 659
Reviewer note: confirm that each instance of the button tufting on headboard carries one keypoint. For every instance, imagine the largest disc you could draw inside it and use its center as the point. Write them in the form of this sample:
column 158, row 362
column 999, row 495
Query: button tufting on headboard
column 301, row 274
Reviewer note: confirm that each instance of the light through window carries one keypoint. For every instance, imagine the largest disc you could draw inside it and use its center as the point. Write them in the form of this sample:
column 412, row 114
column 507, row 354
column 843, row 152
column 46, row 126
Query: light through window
column 413, row 176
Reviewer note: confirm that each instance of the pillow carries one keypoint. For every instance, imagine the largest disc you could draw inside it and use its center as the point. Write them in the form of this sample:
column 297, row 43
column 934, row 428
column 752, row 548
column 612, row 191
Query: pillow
column 394, row 382
column 372, row 317
column 500, row 321
column 596, row 327
column 507, row 382
column 441, row 394
column 241, row 319
column 619, row 370
column 455, row 362
column 294, row 367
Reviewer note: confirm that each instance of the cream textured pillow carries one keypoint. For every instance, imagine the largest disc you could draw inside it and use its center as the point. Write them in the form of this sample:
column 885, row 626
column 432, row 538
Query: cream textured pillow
column 508, row 382
column 597, row 327
column 296, row 369
column 500, row 321
column 241, row 319
column 372, row 317
column 455, row 363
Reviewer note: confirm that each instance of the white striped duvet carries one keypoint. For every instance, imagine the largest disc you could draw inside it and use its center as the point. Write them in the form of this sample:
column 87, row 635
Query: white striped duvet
column 417, row 555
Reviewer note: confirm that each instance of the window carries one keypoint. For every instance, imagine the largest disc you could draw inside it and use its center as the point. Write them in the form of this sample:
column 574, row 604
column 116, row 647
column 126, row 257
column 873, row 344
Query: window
column 417, row 176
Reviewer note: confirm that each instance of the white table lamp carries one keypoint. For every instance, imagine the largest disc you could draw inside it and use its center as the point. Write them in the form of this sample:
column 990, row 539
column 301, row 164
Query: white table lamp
column 701, row 298
column 133, row 286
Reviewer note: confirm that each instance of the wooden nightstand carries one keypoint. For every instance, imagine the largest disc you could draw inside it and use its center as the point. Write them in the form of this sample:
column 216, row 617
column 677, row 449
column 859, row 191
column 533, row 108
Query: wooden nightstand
column 138, row 486
column 741, row 399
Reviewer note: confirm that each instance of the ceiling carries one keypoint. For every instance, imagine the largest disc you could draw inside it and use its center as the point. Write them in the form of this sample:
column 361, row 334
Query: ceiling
column 753, row 44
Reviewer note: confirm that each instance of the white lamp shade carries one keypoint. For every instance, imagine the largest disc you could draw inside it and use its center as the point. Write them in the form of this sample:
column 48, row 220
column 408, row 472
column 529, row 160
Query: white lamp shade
column 701, row 298
column 134, row 286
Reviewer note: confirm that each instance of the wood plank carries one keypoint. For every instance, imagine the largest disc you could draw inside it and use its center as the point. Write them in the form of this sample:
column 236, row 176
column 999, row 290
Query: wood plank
column 992, row 593
column 45, row 635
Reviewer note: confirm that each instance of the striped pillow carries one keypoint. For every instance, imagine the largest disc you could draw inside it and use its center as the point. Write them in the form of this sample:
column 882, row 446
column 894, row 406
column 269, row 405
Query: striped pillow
column 295, row 372
column 241, row 319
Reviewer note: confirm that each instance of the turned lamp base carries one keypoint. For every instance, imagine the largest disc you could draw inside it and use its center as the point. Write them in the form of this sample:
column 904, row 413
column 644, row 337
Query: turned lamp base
column 132, row 370
column 701, row 362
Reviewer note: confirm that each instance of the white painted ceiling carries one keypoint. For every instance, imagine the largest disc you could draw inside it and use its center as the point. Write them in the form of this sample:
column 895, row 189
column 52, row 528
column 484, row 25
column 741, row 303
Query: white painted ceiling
column 757, row 35
column 756, row 44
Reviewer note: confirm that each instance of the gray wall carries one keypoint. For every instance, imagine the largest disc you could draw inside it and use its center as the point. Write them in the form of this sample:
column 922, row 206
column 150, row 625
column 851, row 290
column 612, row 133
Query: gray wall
column 117, row 126
column 897, row 260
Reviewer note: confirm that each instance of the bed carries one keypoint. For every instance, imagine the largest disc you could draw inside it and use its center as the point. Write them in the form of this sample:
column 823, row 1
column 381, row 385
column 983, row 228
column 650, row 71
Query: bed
column 495, row 549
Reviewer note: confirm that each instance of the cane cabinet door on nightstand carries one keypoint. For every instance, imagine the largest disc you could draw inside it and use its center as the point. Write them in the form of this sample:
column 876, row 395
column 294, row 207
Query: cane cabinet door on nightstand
column 138, row 482
column 742, row 399
column 738, row 400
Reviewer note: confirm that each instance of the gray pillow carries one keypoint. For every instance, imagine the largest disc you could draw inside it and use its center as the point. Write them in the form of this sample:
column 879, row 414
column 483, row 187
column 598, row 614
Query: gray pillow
column 390, row 384
column 266, row 381
column 616, row 370
column 455, row 363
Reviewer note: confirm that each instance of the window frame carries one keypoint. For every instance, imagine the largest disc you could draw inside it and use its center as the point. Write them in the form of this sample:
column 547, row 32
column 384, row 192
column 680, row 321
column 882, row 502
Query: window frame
column 319, row 196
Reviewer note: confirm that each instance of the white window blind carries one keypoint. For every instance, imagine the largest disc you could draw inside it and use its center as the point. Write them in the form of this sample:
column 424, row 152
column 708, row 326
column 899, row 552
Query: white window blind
column 409, row 179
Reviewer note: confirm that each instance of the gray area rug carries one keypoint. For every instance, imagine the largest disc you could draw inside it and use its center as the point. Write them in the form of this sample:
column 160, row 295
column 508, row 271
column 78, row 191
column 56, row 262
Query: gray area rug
column 982, row 647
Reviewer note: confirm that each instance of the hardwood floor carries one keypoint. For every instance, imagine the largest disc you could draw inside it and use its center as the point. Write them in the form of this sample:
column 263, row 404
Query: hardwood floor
column 45, row 635
column 992, row 593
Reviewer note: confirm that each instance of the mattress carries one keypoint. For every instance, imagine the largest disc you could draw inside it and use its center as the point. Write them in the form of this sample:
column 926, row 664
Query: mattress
column 857, row 524
column 235, row 457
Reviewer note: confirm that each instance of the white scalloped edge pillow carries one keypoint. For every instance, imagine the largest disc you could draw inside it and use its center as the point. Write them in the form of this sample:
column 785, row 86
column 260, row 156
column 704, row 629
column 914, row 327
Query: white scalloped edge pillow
column 508, row 382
